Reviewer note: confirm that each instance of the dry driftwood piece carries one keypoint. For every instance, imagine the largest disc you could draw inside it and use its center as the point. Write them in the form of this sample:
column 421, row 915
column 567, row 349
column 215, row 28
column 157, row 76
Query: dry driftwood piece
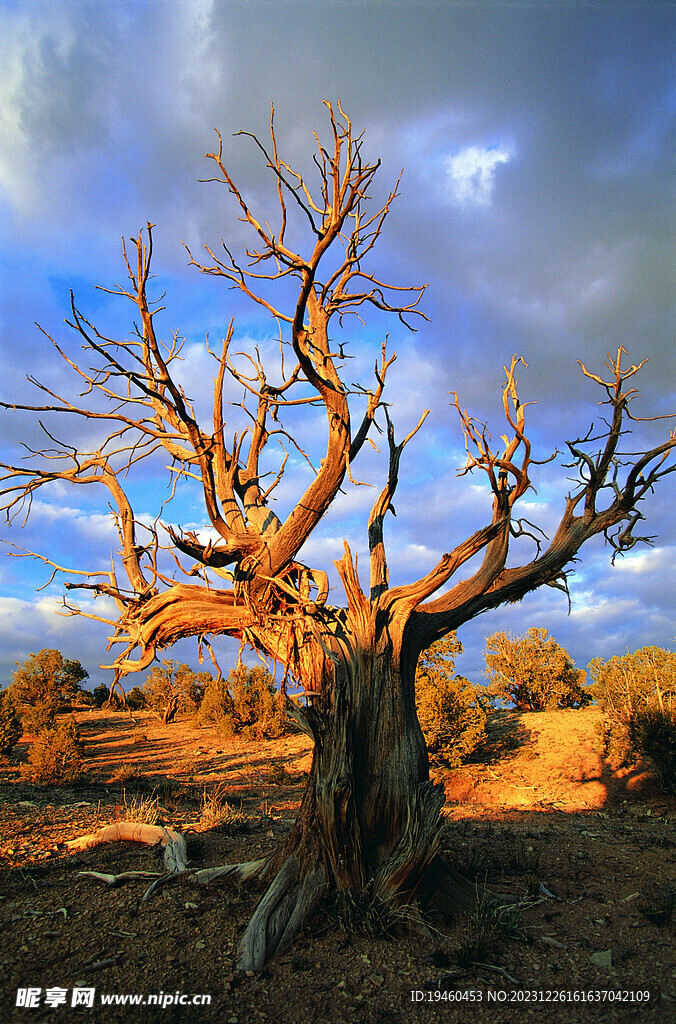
column 237, row 872
column 175, row 854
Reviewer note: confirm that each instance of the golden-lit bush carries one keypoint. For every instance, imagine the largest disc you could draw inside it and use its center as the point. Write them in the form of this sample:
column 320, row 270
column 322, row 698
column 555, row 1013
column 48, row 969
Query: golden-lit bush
column 246, row 703
column 11, row 729
column 56, row 755
column 533, row 672
column 217, row 708
column 39, row 717
column 450, row 709
column 173, row 689
column 637, row 693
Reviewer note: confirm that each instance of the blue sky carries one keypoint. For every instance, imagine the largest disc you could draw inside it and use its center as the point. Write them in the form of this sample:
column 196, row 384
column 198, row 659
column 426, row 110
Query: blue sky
column 537, row 143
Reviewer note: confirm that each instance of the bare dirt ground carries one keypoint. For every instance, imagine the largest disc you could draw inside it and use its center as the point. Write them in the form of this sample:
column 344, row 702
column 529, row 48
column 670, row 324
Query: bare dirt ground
column 592, row 854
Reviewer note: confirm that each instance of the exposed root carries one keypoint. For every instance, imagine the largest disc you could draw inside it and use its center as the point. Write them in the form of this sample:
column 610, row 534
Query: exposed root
column 237, row 872
column 281, row 914
column 415, row 870
column 125, row 876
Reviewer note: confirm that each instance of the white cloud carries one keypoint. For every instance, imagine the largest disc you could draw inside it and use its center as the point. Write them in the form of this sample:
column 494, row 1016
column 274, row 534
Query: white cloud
column 27, row 626
column 472, row 173
column 653, row 560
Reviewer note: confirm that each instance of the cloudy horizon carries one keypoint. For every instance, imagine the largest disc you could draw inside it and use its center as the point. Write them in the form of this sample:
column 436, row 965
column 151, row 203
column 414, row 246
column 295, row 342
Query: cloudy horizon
column 537, row 203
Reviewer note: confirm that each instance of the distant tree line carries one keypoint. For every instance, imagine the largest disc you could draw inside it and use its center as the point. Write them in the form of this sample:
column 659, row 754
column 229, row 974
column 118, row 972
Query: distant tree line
column 636, row 692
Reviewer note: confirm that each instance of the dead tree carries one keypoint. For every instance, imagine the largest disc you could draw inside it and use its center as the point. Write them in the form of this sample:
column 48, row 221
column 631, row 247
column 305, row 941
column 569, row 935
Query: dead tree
column 370, row 817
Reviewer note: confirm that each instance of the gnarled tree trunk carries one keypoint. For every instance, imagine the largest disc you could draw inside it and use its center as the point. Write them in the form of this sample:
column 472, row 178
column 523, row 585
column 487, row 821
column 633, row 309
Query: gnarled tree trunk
column 370, row 816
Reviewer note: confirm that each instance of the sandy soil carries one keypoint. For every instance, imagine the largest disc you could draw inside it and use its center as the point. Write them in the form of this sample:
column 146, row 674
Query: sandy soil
column 542, row 816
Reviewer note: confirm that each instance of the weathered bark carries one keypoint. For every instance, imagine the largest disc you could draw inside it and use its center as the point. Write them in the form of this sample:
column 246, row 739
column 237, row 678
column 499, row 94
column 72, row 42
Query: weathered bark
column 370, row 817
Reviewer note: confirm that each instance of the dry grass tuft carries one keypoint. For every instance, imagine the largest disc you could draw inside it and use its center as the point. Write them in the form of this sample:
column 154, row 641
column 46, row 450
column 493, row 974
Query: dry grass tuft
column 217, row 813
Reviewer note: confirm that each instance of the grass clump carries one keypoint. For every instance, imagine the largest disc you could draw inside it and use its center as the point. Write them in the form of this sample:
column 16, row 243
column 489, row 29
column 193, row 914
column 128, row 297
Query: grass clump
column 488, row 925
column 365, row 913
column 279, row 775
column 217, row 813
column 145, row 809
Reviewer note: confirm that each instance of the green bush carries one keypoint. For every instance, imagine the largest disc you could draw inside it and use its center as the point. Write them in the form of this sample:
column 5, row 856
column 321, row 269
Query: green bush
column 136, row 699
column 47, row 678
column 84, row 699
column 450, row 710
column 257, row 710
column 100, row 695
column 40, row 717
column 56, row 755
column 637, row 693
column 533, row 672
column 11, row 729
column 653, row 732
column 246, row 703
column 217, row 708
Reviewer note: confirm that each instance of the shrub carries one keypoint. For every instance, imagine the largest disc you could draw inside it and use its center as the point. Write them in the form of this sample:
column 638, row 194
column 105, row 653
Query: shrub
column 644, row 679
column 533, row 672
column 450, row 710
column 39, row 718
column 11, row 729
column 653, row 732
column 56, row 755
column 245, row 703
column 84, row 699
column 257, row 710
column 136, row 699
column 637, row 693
column 47, row 678
column 100, row 695
column 171, row 689
column 217, row 708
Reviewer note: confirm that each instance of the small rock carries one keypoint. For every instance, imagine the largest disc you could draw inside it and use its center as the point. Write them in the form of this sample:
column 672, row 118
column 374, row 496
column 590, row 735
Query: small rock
column 604, row 958
column 553, row 942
